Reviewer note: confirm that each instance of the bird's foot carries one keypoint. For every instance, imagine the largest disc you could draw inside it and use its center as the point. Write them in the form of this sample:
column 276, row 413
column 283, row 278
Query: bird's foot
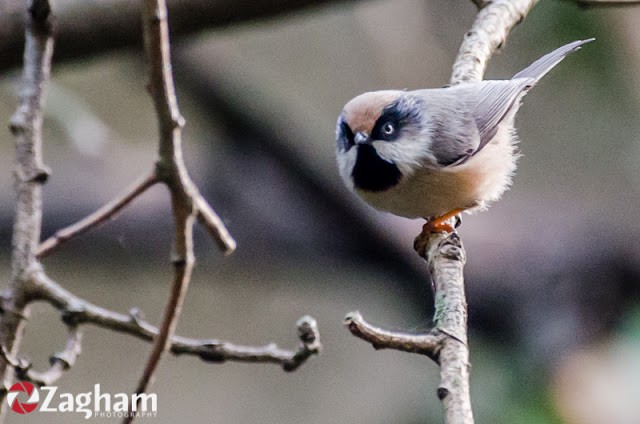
column 442, row 227
column 443, row 224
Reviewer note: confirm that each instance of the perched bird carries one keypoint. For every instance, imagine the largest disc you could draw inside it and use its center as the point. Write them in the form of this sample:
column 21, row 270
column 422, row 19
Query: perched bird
column 435, row 153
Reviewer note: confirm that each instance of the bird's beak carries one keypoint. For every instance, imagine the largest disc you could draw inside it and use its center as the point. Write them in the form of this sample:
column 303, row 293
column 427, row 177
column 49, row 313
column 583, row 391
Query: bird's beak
column 361, row 138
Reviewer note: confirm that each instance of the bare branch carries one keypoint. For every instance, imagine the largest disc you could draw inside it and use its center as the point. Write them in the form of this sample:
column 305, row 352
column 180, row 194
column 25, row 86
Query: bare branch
column 217, row 351
column 170, row 168
column 424, row 344
column 106, row 212
column 183, row 265
column 447, row 342
column 210, row 220
column 488, row 33
column 446, row 257
column 76, row 312
column 30, row 174
column 30, row 283
column 26, row 126
column 60, row 362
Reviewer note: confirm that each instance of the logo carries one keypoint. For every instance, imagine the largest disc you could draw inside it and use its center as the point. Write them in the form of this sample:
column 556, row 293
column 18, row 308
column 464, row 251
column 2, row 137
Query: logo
column 91, row 404
column 23, row 407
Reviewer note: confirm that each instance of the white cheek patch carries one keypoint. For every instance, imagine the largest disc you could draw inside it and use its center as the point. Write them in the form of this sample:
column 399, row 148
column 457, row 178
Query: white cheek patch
column 346, row 162
column 408, row 152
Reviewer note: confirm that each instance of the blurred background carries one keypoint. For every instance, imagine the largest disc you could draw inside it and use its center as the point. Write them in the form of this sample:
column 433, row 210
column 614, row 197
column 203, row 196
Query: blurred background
column 553, row 272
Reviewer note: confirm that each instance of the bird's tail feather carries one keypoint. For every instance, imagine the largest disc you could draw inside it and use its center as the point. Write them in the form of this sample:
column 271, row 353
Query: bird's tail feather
column 540, row 67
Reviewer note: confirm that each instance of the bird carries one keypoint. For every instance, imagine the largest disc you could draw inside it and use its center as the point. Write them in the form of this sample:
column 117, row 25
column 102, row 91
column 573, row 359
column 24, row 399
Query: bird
column 435, row 153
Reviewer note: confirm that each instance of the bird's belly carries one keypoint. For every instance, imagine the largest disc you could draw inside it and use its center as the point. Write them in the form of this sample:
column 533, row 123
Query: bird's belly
column 423, row 196
column 435, row 192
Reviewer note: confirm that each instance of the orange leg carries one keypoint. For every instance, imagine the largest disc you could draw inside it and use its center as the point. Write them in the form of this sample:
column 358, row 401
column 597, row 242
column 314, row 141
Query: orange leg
column 440, row 224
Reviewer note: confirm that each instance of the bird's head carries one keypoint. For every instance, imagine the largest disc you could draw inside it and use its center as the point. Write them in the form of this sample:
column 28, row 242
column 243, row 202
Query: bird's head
column 381, row 137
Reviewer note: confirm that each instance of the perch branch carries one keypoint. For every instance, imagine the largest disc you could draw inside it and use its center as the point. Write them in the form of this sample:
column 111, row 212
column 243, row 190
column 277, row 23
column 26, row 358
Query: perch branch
column 76, row 312
column 30, row 174
column 108, row 211
column 488, row 33
column 447, row 343
column 445, row 256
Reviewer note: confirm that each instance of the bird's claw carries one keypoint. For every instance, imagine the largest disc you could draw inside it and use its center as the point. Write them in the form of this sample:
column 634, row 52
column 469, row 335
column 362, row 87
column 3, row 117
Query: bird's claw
column 439, row 227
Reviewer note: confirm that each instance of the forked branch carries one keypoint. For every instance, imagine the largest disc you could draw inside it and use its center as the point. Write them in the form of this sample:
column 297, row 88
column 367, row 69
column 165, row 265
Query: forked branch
column 29, row 283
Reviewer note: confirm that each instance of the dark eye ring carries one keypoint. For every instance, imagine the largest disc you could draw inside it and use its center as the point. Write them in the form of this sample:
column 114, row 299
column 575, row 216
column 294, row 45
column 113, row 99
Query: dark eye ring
column 388, row 129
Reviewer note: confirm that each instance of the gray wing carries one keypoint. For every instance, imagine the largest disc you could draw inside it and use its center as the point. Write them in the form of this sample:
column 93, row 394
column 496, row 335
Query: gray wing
column 494, row 101
column 540, row 67
column 497, row 98
column 466, row 117
column 454, row 132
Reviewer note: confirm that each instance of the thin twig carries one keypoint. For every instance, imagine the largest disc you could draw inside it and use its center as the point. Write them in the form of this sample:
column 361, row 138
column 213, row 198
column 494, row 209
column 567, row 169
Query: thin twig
column 183, row 266
column 76, row 312
column 217, row 351
column 106, row 212
column 424, row 344
column 171, row 168
column 210, row 220
column 30, row 174
column 59, row 362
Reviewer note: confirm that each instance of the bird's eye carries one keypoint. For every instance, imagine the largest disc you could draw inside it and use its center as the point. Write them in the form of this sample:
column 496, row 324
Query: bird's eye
column 388, row 129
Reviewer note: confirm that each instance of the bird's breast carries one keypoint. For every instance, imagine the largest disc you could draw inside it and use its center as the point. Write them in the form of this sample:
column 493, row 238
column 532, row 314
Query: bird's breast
column 431, row 192
column 372, row 173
